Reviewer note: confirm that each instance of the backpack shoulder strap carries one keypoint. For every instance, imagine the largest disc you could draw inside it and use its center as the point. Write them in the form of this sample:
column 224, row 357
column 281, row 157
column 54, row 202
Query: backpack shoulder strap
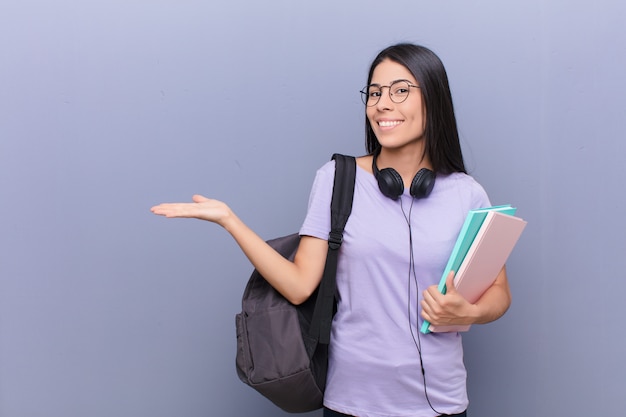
column 343, row 193
column 340, row 209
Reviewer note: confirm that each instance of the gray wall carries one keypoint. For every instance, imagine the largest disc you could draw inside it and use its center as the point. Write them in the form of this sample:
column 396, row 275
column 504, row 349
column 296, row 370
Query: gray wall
column 108, row 108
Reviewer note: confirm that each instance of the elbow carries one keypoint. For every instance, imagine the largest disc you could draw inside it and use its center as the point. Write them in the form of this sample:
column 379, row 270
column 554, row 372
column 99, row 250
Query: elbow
column 509, row 300
column 504, row 306
column 492, row 308
column 299, row 297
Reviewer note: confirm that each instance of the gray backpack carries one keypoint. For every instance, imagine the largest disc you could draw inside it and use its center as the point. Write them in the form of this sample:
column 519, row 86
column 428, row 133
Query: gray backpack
column 282, row 349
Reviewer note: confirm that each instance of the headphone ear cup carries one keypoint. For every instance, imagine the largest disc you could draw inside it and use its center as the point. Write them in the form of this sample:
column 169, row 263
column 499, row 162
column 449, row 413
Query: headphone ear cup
column 423, row 183
column 390, row 183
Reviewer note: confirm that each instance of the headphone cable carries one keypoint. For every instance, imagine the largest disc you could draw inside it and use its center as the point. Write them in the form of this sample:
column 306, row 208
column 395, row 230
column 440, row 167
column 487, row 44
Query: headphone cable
column 416, row 340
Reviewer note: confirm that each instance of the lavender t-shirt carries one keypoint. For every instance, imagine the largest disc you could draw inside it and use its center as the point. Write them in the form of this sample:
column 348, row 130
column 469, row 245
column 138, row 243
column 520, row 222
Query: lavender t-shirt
column 374, row 368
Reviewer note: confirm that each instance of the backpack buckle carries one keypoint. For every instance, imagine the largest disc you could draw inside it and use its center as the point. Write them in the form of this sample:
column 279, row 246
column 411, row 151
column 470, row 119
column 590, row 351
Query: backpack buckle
column 335, row 239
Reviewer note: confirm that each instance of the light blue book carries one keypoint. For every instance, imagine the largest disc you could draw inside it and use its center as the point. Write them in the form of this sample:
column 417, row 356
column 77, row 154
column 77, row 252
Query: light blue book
column 470, row 228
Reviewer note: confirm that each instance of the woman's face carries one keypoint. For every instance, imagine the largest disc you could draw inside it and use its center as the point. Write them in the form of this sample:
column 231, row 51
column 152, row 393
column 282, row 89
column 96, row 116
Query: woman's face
column 396, row 124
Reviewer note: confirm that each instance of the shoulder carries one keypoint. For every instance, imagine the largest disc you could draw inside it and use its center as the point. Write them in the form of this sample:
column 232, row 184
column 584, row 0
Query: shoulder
column 464, row 186
column 328, row 169
column 460, row 179
column 324, row 175
column 323, row 182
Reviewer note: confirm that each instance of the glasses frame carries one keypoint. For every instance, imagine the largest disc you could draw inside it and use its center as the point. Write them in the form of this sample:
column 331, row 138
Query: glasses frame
column 365, row 97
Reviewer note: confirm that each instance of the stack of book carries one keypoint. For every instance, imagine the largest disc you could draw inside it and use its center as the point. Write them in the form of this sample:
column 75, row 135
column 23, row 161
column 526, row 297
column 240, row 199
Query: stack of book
column 485, row 242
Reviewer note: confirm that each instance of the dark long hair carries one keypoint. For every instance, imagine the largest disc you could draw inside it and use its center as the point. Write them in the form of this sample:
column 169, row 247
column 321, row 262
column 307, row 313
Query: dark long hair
column 441, row 135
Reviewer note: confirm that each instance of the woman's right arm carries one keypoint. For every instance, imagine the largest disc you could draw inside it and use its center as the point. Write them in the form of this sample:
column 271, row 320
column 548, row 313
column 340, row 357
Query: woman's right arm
column 295, row 280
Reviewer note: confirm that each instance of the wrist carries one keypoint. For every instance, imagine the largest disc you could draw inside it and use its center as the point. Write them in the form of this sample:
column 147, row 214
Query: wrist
column 229, row 221
column 476, row 314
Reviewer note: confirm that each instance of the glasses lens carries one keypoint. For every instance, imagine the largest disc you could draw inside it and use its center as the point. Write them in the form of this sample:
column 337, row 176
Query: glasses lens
column 371, row 95
column 399, row 91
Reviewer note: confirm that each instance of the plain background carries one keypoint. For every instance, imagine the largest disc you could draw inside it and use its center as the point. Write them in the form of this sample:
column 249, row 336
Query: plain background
column 107, row 108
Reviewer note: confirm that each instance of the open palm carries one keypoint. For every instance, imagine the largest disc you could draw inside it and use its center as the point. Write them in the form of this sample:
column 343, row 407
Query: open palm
column 201, row 208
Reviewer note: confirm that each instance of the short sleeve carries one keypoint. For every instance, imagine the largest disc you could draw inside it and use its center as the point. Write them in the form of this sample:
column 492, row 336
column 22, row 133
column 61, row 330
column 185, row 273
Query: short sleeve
column 317, row 220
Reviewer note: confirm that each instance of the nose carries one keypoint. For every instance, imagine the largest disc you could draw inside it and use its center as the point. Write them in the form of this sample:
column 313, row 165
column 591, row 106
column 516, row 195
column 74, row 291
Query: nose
column 384, row 102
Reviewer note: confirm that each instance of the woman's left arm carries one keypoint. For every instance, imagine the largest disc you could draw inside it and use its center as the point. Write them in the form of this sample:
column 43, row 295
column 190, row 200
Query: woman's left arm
column 453, row 309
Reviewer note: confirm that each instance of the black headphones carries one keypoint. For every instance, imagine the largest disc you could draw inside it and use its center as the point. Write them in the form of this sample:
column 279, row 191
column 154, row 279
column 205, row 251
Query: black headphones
column 391, row 184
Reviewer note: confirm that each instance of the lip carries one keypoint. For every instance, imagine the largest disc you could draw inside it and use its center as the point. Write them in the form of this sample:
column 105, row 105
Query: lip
column 388, row 124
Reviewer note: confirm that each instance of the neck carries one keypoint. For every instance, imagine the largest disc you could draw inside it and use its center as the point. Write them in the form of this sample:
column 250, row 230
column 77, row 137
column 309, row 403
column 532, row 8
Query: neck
column 406, row 161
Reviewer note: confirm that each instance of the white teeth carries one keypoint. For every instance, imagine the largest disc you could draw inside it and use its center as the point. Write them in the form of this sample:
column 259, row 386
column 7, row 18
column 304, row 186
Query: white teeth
column 389, row 123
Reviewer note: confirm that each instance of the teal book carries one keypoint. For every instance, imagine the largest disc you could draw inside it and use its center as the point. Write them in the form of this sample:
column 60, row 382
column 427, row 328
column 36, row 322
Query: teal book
column 470, row 228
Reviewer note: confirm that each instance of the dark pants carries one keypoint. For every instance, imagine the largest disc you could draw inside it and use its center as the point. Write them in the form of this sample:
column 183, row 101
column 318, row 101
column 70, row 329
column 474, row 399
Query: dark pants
column 330, row 413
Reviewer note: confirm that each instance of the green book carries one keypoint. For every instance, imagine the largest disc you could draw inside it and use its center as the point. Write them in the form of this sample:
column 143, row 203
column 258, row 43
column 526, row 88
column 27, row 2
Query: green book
column 470, row 228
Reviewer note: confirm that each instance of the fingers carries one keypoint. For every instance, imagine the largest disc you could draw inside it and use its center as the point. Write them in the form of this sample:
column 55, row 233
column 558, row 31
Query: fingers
column 158, row 210
column 429, row 302
column 201, row 208
column 426, row 310
column 169, row 209
column 178, row 209
column 450, row 287
column 438, row 308
column 197, row 198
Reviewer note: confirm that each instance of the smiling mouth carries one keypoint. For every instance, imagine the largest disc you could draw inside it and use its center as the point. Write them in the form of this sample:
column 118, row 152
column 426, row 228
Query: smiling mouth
column 389, row 123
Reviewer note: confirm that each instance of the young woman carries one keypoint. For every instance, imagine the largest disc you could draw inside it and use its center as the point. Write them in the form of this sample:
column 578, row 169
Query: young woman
column 410, row 200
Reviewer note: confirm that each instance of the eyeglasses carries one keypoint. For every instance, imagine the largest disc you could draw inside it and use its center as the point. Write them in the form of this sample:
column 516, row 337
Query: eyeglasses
column 398, row 92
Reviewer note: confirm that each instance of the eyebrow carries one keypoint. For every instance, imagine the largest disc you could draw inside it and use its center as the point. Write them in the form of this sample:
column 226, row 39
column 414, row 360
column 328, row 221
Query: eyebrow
column 394, row 81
